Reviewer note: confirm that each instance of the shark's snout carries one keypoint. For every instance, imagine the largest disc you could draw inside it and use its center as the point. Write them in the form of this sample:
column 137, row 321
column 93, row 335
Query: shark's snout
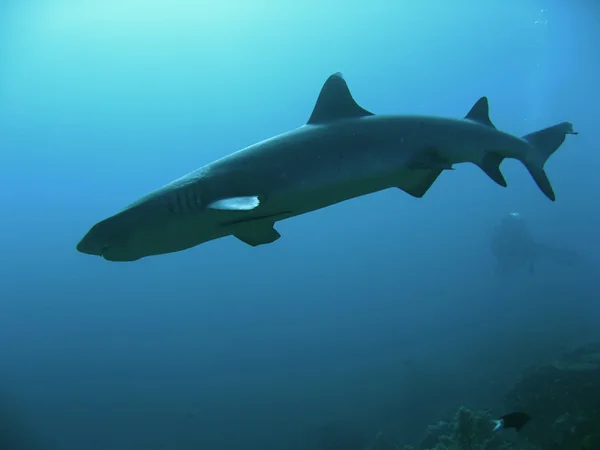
column 113, row 239
column 100, row 238
column 88, row 246
column 109, row 252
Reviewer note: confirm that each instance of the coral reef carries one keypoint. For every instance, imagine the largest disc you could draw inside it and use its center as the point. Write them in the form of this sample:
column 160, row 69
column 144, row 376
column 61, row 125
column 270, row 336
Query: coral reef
column 562, row 397
column 468, row 430
column 564, row 400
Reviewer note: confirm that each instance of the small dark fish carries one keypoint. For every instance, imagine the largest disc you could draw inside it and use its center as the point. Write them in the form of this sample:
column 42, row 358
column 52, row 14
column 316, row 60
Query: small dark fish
column 516, row 420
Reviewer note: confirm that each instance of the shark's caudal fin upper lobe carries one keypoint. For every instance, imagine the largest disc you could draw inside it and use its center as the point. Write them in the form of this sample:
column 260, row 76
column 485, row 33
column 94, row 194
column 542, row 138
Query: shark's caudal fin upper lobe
column 543, row 144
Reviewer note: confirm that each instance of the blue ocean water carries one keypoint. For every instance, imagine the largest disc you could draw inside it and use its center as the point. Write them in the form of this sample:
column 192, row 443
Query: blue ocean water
column 383, row 311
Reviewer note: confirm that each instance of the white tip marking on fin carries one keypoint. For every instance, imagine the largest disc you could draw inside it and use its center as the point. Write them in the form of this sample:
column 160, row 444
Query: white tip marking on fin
column 236, row 204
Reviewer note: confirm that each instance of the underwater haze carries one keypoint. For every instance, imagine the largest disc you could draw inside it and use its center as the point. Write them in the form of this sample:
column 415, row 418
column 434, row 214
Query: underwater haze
column 383, row 312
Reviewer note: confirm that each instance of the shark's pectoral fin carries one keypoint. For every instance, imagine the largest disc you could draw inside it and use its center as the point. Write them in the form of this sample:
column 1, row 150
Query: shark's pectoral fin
column 419, row 181
column 257, row 233
column 335, row 102
column 429, row 159
column 235, row 204
column 490, row 164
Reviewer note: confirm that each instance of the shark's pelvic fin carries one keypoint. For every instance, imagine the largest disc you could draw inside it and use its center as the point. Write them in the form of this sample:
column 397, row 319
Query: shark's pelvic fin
column 236, row 204
column 480, row 113
column 257, row 233
column 423, row 180
column 490, row 164
column 335, row 102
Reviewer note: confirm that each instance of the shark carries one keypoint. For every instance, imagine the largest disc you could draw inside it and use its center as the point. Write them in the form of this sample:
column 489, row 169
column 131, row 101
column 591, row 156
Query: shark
column 514, row 248
column 342, row 152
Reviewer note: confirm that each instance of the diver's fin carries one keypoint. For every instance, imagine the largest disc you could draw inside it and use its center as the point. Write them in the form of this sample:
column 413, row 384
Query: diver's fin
column 335, row 102
column 560, row 255
column 480, row 113
column 543, row 144
column 257, row 233
column 419, row 181
column 429, row 159
column 236, row 204
column 490, row 164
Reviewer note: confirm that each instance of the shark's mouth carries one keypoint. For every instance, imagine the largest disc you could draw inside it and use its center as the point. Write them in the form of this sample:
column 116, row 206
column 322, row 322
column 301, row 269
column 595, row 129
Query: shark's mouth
column 113, row 254
column 85, row 247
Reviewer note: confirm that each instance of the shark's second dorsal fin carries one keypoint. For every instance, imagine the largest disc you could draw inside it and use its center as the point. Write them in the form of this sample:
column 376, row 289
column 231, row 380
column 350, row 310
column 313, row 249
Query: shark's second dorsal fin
column 335, row 102
column 480, row 113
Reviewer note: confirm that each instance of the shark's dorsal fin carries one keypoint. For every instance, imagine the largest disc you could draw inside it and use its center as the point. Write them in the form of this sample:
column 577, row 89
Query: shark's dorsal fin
column 480, row 113
column 335, row 102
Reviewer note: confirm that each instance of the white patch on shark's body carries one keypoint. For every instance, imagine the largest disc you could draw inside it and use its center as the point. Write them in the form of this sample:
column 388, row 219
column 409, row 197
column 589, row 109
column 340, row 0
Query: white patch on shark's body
column 235, row 204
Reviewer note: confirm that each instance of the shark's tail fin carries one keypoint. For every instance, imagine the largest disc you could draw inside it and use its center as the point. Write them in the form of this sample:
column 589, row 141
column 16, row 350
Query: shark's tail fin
column 543, row 144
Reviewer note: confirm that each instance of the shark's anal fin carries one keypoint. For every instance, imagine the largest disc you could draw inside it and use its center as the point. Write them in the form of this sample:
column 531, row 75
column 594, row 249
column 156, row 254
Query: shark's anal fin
column 257, row 233
column 480, row 113
column 236, row 204
column 490, row 164
column 419, row 182
column 335, row 102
